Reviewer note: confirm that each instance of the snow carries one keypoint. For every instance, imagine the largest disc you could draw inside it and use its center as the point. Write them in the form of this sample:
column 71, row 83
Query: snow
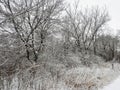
column 115, row 85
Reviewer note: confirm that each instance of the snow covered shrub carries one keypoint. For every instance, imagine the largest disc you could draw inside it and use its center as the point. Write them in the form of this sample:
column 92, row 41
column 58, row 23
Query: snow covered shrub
column 87, row 78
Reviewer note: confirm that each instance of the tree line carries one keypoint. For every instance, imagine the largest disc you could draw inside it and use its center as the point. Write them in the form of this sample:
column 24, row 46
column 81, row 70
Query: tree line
column 28, row 29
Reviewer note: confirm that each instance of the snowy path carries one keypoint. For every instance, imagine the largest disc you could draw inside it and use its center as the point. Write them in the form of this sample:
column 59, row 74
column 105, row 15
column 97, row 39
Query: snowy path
column 115, row 85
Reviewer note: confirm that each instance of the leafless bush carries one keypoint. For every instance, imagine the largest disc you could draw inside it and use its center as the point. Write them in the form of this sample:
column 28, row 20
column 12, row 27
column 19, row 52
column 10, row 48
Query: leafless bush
column 106, row 47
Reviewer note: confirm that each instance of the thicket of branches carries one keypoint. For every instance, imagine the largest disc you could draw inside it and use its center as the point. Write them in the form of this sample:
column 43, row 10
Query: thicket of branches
column 29, row 29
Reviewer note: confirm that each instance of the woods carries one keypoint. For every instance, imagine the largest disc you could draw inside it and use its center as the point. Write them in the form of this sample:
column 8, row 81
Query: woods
column 46, row 33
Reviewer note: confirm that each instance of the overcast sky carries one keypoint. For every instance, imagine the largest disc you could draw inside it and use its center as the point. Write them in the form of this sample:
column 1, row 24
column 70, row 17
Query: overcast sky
column 112, row 6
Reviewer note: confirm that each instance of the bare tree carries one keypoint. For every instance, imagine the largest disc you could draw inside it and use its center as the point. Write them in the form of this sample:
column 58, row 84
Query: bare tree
column 31, row 20
column 84, row 25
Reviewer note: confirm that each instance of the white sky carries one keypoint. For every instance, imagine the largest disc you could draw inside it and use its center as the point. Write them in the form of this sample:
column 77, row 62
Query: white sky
column 112, row 6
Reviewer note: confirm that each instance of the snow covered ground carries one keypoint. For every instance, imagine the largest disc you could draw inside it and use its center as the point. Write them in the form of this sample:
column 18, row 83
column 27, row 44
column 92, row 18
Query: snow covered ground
column 115, row 85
